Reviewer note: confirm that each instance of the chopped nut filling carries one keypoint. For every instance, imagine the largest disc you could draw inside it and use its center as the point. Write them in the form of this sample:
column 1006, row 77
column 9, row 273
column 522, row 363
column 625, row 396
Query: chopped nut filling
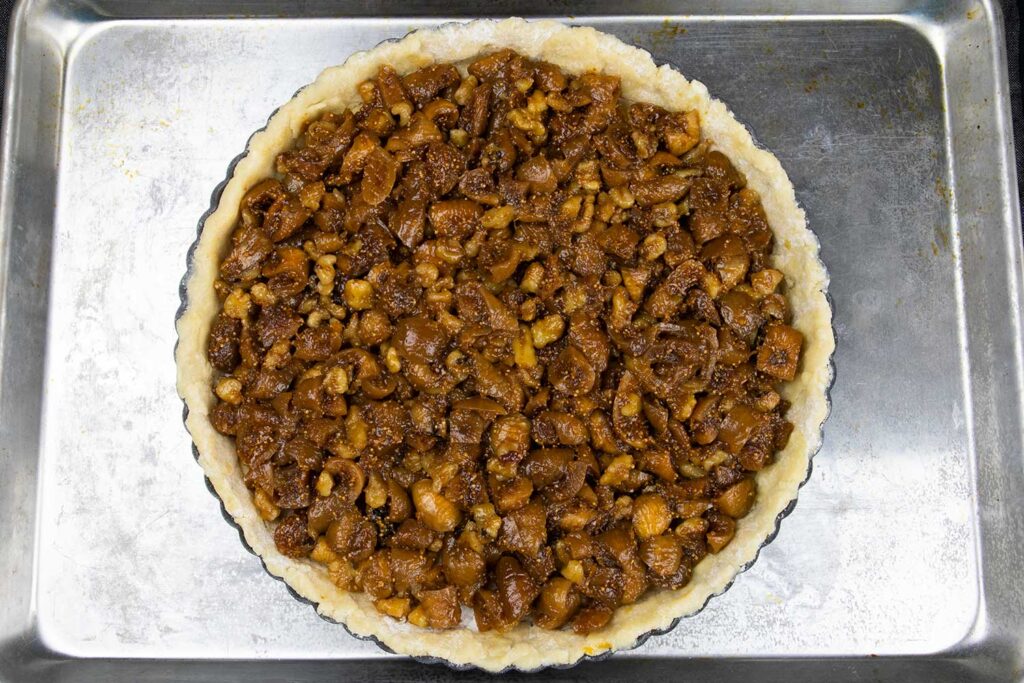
column 505, row 341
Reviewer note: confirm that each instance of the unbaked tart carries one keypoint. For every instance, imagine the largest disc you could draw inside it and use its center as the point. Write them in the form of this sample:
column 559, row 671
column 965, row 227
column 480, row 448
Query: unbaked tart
column 504, row 346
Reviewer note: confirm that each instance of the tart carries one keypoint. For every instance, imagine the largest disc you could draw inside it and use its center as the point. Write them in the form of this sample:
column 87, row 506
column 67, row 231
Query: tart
column 504, row 346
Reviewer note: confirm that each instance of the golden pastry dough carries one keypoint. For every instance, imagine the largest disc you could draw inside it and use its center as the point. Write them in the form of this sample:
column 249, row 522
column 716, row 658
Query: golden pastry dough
column 574, row 50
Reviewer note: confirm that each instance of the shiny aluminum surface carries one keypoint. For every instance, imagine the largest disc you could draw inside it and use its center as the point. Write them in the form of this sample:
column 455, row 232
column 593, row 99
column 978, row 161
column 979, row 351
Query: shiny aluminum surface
column 900, row 558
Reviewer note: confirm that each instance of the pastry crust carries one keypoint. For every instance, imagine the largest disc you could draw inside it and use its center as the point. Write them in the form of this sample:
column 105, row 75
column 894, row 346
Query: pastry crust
column 574, row 50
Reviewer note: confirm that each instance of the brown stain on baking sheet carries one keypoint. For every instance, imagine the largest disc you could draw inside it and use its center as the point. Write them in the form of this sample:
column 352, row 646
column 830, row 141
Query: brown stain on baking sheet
column 667, row 32
column 817, row 79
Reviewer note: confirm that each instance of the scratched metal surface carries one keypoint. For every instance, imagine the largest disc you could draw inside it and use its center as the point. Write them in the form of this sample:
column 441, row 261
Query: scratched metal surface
column 900, row 556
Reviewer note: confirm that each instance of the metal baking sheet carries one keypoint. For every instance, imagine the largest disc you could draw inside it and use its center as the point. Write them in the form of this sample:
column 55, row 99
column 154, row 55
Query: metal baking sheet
column 902, row 556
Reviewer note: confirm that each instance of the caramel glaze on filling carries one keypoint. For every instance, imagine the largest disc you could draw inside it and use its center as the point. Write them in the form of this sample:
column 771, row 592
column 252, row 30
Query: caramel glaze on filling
column 503, row 341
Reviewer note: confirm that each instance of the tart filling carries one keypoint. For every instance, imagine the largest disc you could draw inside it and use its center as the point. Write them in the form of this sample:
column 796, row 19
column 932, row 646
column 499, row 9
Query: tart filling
column 499, row 346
